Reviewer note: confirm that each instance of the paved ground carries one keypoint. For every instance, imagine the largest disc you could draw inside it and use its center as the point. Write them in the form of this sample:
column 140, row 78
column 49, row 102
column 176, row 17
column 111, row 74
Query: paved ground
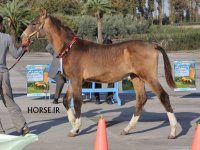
column 151, row 131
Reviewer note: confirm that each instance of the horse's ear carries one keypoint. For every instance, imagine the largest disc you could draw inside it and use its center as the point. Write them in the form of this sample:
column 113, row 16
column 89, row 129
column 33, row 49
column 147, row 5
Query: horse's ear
column 43, row 13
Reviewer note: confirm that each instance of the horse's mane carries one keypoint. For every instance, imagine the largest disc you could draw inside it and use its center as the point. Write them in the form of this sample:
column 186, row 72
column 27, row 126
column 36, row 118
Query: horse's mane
column 58, row 23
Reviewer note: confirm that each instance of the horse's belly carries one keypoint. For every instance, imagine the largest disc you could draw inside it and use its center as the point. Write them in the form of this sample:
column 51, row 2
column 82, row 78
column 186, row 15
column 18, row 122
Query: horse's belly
column 106, row 77
column 107, row 73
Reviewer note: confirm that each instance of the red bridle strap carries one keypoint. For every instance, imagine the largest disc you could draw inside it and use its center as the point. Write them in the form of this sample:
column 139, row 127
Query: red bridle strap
column 67, row 48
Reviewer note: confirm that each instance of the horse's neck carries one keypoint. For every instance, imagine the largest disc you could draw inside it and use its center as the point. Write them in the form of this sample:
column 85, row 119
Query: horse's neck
column 55, row 41
column 56, row 37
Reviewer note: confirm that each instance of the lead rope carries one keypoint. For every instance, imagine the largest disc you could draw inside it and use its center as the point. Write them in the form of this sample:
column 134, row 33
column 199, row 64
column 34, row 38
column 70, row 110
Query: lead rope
column 18, row 59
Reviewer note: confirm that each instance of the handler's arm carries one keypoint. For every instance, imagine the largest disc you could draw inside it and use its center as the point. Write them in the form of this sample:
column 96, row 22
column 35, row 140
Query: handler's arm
column 12, row 48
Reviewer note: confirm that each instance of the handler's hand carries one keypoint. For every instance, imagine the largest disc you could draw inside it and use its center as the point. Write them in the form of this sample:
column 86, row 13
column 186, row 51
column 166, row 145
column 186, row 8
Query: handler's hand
column 25, row 42
column 26, row 49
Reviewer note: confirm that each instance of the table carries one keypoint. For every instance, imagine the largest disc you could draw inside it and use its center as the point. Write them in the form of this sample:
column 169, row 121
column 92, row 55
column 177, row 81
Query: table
column 115, row 91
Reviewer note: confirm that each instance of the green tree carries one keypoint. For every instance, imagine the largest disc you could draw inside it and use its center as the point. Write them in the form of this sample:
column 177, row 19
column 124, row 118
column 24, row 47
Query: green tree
column 119, row 26
column 172, row 16
column 140, row 4
column 86, row 27
column 3, row 1
column 66, row 20
column 124, row 6
column 98, row 8
column 160, row 11
column 197, row 6
column 192, row 10
column 67, row 7
column 15, row 14
column 150, row 10
column 180, row 7
column 177, row 9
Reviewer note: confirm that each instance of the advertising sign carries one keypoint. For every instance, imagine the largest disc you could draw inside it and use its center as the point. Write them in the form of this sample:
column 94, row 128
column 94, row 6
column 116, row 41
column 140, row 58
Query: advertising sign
column 127, row 86
column 184, row 75
column 37, row 80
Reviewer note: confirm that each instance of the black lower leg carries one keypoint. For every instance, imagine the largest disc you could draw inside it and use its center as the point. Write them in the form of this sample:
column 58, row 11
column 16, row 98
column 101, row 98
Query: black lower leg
column 164, row 98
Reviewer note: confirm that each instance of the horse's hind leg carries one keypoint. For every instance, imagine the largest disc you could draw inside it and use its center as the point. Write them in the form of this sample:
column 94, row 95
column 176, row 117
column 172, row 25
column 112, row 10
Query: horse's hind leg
column 164, row 98
column 141, row 99
column 66, row 102
column 76, row 87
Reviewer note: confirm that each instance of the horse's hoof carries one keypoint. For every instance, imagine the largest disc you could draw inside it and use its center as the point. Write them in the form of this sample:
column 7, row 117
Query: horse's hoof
column 171, row 137
column 71, row 134
column 124, row 132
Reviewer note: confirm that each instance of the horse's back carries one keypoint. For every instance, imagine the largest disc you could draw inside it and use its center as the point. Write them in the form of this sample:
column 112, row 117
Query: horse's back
column 121, row 59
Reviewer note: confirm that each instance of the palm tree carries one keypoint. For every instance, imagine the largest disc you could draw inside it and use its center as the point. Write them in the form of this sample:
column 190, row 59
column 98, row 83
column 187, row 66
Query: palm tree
column 3, row 1
column 98, row 8
column 15, row 14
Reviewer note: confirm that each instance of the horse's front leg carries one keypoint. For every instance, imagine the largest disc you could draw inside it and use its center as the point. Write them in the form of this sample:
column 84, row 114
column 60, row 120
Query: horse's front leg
column 77, row 90
column 66, row 103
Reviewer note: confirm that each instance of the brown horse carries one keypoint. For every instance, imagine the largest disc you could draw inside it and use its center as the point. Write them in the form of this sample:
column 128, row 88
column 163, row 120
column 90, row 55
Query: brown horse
column 88, row 61
column 40, row 85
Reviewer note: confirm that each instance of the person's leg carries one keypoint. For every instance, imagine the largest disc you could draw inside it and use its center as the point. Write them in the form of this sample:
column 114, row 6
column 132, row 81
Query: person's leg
column 13, row 109
column 97, row 85
column 60, row 81
column 1, row 129
column 109, row 94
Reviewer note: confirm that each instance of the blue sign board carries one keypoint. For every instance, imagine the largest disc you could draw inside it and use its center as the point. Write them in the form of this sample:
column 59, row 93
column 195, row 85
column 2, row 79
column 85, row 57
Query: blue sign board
column 37, row 80
column 184, row 75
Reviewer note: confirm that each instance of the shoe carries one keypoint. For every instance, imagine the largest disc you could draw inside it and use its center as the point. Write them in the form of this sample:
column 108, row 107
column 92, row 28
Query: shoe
column 97, row 100
column 25, row 130
column 2, row 132
column 109, row 99
column 55, row 101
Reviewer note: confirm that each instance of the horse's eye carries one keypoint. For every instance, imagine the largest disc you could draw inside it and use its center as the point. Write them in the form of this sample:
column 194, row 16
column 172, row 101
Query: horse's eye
column 34, row 24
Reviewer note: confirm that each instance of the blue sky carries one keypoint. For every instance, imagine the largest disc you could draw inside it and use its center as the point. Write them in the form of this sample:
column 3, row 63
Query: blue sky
column 166, row 7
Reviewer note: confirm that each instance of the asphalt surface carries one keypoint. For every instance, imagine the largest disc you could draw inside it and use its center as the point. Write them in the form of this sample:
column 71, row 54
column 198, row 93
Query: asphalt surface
column 150, row 133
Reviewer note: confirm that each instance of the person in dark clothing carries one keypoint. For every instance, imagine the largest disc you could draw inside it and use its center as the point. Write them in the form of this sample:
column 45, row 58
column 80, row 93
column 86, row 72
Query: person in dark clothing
column 55, row 72
column 110, row 85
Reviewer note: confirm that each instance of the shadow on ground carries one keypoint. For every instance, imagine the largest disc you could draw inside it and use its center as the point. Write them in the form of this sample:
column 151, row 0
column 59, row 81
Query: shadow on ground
column 192, row 95
column 183, row 118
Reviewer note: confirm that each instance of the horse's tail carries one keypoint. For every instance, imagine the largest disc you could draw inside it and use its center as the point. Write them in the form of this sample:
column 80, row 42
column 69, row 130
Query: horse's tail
column 168, row 69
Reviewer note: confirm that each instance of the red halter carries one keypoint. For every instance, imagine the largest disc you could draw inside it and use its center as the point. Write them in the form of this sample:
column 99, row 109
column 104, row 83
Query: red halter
column 67, row 48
